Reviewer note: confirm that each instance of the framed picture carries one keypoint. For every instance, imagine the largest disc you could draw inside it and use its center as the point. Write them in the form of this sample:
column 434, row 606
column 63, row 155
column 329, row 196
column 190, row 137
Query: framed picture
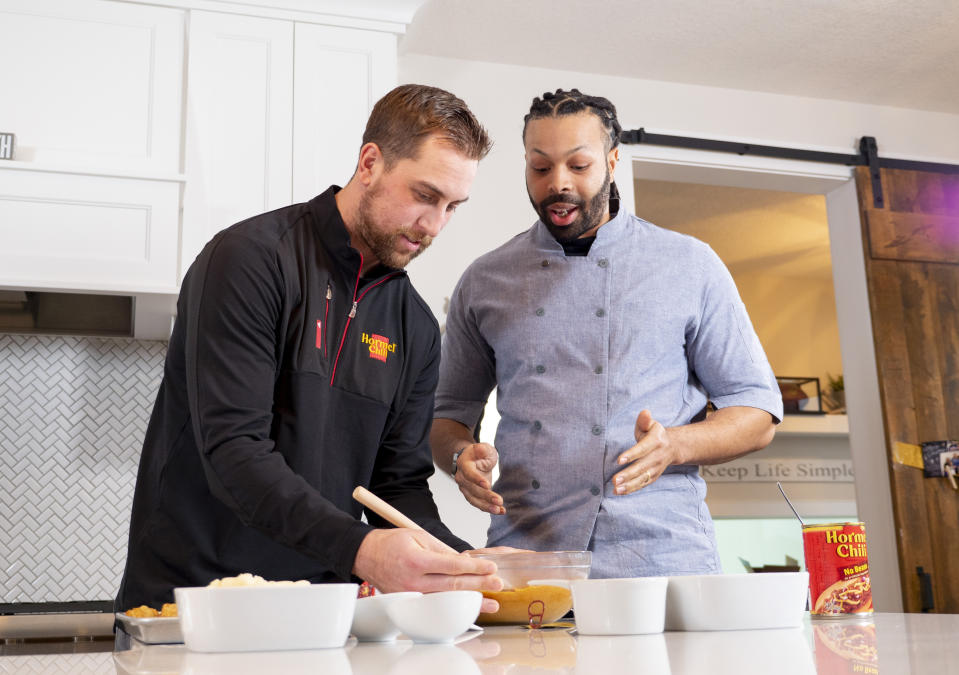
column 801, row 395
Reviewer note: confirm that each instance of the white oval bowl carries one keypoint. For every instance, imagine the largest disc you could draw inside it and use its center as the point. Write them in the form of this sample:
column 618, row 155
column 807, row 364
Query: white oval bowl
column 261, row 618
column 736, row 601
column 635, row 606
column 371, row 623
column 435, row 617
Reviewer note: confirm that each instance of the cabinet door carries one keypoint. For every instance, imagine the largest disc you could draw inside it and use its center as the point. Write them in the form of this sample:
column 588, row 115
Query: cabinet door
column 239, row 123
column 92, row 84
column 340, row 73
column 71, row 231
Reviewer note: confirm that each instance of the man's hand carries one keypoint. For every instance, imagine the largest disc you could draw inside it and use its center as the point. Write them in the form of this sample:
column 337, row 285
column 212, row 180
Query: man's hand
column 474, row 475
column 403, row 559
column 647, row 459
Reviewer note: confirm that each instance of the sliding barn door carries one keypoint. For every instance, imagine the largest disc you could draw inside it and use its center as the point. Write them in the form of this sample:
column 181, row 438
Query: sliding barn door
column 912, row 268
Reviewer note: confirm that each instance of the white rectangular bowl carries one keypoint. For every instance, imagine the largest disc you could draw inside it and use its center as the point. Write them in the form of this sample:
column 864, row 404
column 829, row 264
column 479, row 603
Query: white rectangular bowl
column 736, row 601
column 265, row 618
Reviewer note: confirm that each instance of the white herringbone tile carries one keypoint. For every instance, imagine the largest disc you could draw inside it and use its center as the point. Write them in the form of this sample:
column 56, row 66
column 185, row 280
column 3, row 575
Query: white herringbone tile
column 73, row 412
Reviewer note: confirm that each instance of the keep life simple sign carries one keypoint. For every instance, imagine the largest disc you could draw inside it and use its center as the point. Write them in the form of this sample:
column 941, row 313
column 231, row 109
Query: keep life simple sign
column 771, row 470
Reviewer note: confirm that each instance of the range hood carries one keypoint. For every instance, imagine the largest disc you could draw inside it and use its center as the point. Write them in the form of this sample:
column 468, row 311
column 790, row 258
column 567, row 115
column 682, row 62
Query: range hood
column 146, row 316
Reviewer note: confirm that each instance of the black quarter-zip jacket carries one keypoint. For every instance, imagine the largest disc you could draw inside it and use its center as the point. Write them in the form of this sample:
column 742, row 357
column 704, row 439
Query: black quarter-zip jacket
column 289, row 380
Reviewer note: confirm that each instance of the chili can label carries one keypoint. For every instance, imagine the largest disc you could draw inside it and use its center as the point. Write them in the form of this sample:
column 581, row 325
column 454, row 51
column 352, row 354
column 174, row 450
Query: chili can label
column 838, row 569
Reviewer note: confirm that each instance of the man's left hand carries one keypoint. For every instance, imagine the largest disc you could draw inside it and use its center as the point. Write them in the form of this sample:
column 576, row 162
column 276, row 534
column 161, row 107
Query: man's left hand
column 647, row 459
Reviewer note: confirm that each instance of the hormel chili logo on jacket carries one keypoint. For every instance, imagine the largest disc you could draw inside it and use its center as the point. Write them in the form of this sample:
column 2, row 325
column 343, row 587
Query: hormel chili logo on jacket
column 380, row 346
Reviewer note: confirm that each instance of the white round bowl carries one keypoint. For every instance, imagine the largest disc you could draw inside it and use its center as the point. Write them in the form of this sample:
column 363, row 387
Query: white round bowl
column 262, row 618
column 435, row 617
column 634, row 606
column 371, row 623
column 736, row 601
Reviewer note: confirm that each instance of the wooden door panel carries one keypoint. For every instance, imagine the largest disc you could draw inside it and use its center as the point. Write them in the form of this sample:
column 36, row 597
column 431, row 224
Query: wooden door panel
column 913, row 236
column 912, row 267
column 895, row 378
column 921, row 192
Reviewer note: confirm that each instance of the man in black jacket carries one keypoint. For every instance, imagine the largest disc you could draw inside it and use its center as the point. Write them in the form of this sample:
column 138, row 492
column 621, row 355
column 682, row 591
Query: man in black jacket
column 303, row 364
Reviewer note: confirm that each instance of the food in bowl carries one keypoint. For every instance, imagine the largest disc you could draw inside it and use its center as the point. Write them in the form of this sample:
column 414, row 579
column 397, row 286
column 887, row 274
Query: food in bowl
column 535, row 585
column 144, row 612
column 533, row 605
column 247, row 579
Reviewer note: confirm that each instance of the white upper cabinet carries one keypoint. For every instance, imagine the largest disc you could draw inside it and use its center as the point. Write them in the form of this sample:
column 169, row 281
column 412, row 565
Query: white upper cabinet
column 92, row 84
column 143, row 129
column 77, row 232
column 239, row 139
column 340, row 73
column 275, row 115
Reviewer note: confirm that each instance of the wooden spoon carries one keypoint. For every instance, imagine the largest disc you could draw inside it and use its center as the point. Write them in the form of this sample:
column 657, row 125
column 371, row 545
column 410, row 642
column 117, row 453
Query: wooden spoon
column 389, row 513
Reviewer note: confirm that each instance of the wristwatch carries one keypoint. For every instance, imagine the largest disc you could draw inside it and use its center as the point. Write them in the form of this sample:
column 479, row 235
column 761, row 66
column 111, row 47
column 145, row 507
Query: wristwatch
column 456, row 456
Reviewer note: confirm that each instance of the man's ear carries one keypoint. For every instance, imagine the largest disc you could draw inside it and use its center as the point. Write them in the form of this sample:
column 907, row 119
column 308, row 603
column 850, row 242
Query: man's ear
column 370, row 163
column 612, row 158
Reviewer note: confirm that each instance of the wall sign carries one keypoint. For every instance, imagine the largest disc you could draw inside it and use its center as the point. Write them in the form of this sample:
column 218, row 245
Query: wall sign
column 771, row 470
column 6, row 146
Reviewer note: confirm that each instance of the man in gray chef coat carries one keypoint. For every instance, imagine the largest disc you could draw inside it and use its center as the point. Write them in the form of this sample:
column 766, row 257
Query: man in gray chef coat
column 605, row 337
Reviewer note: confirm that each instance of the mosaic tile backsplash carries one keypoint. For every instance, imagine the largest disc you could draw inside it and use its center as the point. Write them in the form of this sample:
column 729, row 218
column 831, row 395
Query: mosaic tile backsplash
column 73, row 412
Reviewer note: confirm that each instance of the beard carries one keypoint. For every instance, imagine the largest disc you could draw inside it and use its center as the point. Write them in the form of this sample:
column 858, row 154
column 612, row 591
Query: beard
column 383, row 238
column 590, row 213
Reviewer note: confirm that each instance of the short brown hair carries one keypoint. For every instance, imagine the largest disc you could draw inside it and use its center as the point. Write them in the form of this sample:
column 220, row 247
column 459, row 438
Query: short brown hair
column 407, row 115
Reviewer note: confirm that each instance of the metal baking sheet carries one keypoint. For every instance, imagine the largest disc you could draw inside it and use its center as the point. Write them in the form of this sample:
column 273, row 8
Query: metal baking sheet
column 161, row 630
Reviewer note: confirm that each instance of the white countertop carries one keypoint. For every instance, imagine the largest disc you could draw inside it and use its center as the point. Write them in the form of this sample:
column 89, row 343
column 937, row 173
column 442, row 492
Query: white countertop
column 888, row 643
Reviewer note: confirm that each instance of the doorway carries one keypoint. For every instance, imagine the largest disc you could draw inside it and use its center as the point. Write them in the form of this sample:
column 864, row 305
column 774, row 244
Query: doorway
column 835, row 186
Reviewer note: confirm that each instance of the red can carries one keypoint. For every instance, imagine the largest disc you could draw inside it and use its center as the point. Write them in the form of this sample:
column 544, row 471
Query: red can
column 838, row 569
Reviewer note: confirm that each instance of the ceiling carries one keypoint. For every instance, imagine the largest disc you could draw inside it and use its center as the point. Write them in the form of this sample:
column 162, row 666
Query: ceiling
column 902, row 53
column 784, row 233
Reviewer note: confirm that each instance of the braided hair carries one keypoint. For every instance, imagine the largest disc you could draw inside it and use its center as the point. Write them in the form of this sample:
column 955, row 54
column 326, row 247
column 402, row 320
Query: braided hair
column 562, row 102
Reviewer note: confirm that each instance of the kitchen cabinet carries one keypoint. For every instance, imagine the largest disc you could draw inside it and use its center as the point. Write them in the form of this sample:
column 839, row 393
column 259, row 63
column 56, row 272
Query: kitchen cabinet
column 239, row 123
column 142, row 130
column 340, row 73
column 254, row 145
column 91, row 200
column 73, row 232
column 92, row 86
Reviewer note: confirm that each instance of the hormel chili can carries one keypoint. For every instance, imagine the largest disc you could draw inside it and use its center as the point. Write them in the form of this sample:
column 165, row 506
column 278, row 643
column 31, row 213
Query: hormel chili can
column 838, row 569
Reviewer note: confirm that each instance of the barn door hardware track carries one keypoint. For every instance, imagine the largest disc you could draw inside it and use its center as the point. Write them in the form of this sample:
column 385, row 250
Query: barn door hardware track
column 868, row 154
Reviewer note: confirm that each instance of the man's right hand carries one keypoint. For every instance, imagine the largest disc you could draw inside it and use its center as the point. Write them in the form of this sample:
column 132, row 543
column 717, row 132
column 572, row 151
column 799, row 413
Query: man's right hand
column 401, row 559
column 474, row 475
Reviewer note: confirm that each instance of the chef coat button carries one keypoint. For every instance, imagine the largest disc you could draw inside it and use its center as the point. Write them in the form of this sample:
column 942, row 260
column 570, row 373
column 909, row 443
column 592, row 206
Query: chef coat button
column 603, row 262
column 545, row 263
column 540, row 369
column 594, row 490
column 597, row 430
column 537, row 425
column 540, row 311
column 598, row 370
column 535, row 484
column 600, row 312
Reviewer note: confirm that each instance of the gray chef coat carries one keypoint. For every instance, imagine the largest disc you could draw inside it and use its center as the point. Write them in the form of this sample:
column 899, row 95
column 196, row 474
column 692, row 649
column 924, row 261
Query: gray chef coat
column 577, row 347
